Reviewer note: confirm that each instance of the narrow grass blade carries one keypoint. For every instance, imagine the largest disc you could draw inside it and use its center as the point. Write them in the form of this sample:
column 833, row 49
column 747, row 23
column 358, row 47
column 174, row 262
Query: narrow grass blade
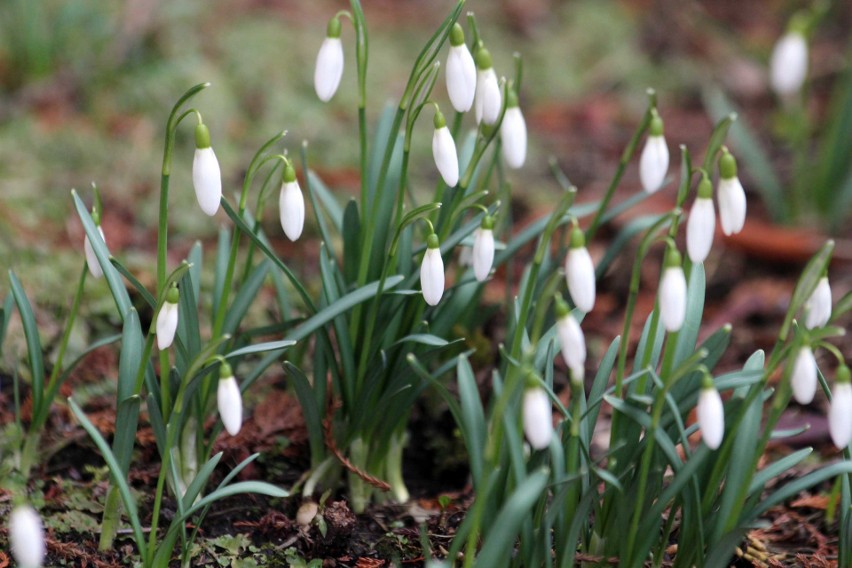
column 34, row 350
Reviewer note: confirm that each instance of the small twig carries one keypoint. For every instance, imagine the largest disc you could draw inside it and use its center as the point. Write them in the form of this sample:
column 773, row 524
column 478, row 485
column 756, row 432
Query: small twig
column 332, row 446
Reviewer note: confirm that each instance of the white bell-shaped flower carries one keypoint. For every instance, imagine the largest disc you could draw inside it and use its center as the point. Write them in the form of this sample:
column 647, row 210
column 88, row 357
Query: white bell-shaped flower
column 229, row 400
column 487, row 100
column 483, row 249
column 788, row 66
column 654, row 161
column 513, row 133
column 572, row 341
column 206, row 176
column 432, row 272
column 329, row 67
column 711, row 415
column 840, row 412
column 26, row 537
column 461, row 72
column 580, row 272
column 444, row 151
column 91, row 260
column 167, row 319
column 804, row 377
column 818, row 306
column 732, row 198
column 701, row 224
column 672, row 294
column 291, row 205
column 537, row 417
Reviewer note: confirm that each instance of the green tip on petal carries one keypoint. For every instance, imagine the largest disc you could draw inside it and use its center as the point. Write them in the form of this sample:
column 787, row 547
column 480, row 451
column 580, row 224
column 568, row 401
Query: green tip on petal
column 673, row 258
column 561, row 307
column 225, row 371
column 172, row 295
column 289, row 174
column 707, row 382
column 512, row 99
column 432, row 241
column 800, row 23
column 487, row 223
column 531, row 381
column 333, row 29
column 705, row 187
column 843, row 375
column 578, row 238
column 656, row 127
column 727, row 165
column 483, row 59
column 202, row 136
column 456, row 35
column 439, row 120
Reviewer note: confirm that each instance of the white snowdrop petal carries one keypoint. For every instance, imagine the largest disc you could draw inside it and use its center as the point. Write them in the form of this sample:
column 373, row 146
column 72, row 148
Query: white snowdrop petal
column 572, row 343
column 788, row 66
column 207, row 180
column 329, row 68
column 487, row 100
column 804, row 378
column 432, row 276
column 673, row 298
column 230, row 404
column 26, row 537
column 818, row 306
column 653, row 163
column 537, row 418
column 167, row 321
column 580, row 274
column 461, row 78
column 513, row 135
column 711, row 417
column 732, row 205
column 699, row 229
column 483, row 253
column 445, row 156
column 840, row 415
column 91, row 260
column 291, row 208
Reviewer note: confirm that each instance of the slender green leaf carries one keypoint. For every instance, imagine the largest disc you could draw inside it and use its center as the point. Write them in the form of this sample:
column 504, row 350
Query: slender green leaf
column 200, row 480
column 34, row 351
column 245, row 296
column 261, row 348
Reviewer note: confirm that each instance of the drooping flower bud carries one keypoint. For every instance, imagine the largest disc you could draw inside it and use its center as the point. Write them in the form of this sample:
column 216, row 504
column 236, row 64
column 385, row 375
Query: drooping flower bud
column 732, row 198
column 818, row 306
column 513, row 133
column 461, row 71
column 488, row 99
column 840, row 412
column 580, row 272
column 167, row 319
column 483, row 249
column 701, row 224
column 206, row 176
column 672, row 295
column 329, row 67
column 91, row 259
column 572, row 341
column 804, row 377
column 711, row 414
column 432, row 272
column 291, row 205
column 537, row 417
column 654, row 161
column 26, row 537
column 444, row 151
column 229, row 400
column 788, row 66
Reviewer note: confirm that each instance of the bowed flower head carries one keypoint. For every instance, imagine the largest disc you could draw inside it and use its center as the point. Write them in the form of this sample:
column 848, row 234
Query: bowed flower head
column 672, row 296
column 444, row 151
column 580, row 272
column 538, row 417
column 487, row 100
column 329, row 67
column 513, row 133
column 732, row 198
column 572, row 342
column 432, row 272
column 461, row 72
column 788, row 66
column 654, row 161
column 818, row 306
column 291, row 205
column 483, row 249
column 229, row 400
column 804, row 378
column 711, row 414
column 206, row 177
column 702, row 223
column 167, row 319
column 840, row 413
column 26, row 537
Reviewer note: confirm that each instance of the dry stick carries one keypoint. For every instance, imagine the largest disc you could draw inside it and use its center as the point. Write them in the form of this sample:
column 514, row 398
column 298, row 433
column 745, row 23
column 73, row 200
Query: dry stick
column 328, row 437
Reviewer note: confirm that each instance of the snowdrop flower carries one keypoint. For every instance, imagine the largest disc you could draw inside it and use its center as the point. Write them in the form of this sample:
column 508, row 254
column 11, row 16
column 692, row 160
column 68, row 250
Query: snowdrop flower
column 167, row 319
column 840, row 412
column 329, row 67
column 818, row 306
column 732, row 199
column 537, row 417
column 789, row 64
column 432, row 272
column 654, row 161
column 711, row 414
column 91, row 260
column 487, row 100
column 702, row 223
column 291, row 205
column 444, row 151
column 804, row 378
column 483, row 249
column 461, row 72
column 572, row 342
column 672, row 295
column 206, row 177
column 229, row 400
column 580, row 272
column 513, row 133
column 26, row 537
